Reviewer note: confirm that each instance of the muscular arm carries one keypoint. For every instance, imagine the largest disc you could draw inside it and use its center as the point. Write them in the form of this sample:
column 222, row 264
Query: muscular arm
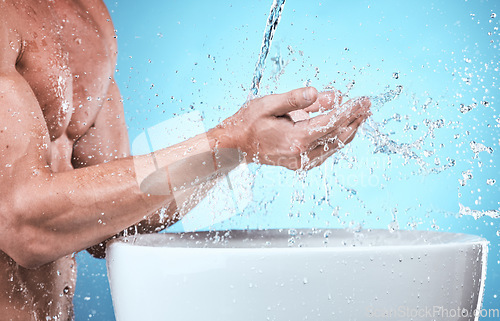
column 45, row 215
column 107, row 140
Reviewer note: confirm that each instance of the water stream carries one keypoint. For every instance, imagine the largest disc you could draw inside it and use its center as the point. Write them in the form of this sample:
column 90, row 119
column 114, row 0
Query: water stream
column 272, row 23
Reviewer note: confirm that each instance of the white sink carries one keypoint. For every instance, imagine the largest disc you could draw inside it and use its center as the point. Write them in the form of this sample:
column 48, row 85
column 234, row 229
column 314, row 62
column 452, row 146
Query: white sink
column 297, row 275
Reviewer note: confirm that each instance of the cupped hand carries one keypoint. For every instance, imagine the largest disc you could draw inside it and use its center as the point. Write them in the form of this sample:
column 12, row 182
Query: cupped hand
column 278, row 130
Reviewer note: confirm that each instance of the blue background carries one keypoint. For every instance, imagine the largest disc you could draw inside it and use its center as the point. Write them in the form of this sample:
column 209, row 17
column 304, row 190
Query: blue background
column 178, row 56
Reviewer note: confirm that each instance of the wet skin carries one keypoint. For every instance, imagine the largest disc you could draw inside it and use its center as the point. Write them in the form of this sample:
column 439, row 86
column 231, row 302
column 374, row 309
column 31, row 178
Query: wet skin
column 67, row 181
column 50, row 45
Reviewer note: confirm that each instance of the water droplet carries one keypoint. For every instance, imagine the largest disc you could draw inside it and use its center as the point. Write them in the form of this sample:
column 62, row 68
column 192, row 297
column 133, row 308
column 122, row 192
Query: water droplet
column 465, row 109
column 305, row 281
column 478, row 147
column 352, row 191
column 393, row 226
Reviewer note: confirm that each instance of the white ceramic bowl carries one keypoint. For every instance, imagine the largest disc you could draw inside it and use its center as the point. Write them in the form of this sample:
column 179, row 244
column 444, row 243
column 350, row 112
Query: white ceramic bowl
column 297, row 275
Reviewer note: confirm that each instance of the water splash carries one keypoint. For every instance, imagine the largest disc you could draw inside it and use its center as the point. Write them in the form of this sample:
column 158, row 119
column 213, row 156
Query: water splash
column 381, row 141
column 478, row 148
column 464, row 210
column 465, row 109
column 279, row 64
column 272, row 23
column 385, row 145
column 467, row 175
column 381, row 99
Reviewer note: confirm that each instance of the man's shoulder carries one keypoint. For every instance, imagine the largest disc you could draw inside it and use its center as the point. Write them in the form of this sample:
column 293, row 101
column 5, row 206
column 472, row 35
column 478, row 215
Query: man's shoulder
column 100, row 14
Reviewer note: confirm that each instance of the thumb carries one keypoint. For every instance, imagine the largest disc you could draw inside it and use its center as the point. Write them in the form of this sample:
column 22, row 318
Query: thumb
column 281, row 104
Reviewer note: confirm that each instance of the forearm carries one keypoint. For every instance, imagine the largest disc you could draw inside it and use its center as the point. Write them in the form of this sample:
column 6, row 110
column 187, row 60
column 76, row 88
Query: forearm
column 161, row 218
column 73, row 210
column 182, row 204
column 70, row 211
column 187, row 197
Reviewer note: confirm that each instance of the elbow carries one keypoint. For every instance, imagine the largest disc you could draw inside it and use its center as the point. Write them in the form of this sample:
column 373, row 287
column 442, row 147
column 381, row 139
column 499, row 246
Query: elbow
column 29, row 263
column 27, row 248
column 31, row 254
column 23, row 237
column 34, row 255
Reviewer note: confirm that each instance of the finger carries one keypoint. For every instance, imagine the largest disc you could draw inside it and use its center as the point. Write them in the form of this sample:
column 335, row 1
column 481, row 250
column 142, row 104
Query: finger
column 327, row 100
column 323, row 157
column 334, row 142
column 345, row 133
column 298, row 115
column 346, row 139
column 281, row 104
column 345, row 115
column 319, row 155
column 346, row 136
column 322, row 125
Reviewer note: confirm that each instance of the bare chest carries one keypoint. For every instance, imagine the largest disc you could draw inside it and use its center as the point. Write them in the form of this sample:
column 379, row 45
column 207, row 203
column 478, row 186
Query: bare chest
column 67, row 56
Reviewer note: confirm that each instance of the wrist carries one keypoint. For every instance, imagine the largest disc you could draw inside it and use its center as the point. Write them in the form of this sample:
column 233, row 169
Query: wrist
column 226, row 150
column 220, row 137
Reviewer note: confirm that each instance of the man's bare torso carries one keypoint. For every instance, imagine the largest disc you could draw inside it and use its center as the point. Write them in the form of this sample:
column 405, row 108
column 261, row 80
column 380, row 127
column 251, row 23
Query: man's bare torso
column 66, row 51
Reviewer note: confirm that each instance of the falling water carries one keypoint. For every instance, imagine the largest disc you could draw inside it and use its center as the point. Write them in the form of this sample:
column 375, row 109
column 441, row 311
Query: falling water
column 381, row 141
column 272, row 23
